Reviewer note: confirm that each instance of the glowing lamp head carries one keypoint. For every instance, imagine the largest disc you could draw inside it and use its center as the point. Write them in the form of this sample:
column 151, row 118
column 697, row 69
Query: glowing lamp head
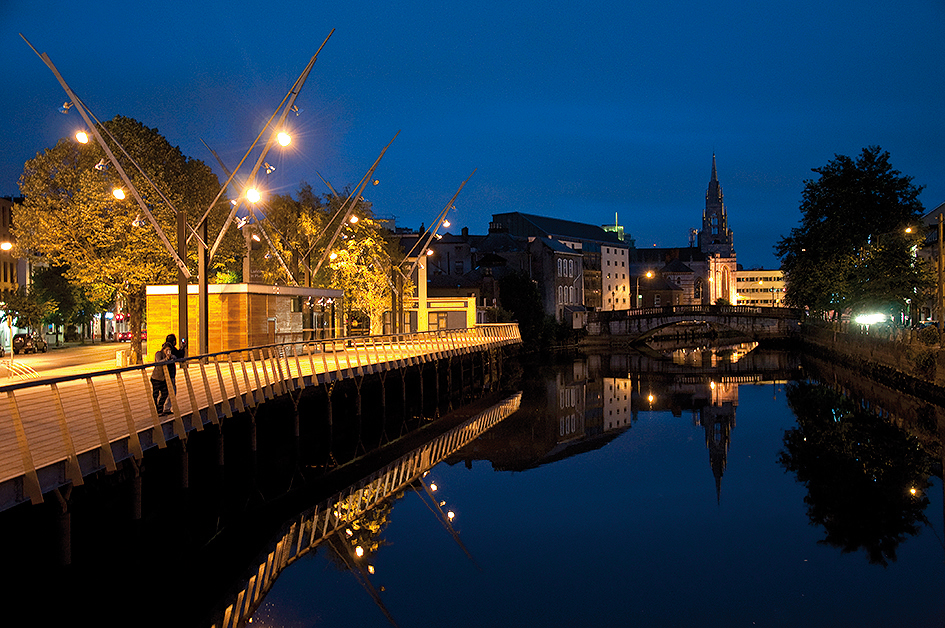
column 446, row 223
column 353, row 220
column 359, row 551
column 252, row 195
column 284, row 138
column 119, row 194
column 6, row 246
column 82, row 137
column 649, row 274
column 333, row 255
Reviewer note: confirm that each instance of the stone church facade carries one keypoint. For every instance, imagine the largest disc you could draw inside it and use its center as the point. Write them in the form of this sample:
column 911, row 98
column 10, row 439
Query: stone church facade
column 705, row 273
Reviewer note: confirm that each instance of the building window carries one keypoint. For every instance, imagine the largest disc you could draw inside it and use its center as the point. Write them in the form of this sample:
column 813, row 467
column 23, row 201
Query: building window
column 656, row 300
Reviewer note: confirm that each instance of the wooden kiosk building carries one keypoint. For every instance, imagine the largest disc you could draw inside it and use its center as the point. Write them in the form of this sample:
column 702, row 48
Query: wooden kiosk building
column 246, row 315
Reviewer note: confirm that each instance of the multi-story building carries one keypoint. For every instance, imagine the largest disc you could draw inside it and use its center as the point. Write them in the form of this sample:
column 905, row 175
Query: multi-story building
column 589, row 240
column 12, row 270
column 758, row 286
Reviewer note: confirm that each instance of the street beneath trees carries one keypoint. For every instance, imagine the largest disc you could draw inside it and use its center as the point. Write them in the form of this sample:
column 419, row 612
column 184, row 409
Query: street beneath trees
column 67, row 359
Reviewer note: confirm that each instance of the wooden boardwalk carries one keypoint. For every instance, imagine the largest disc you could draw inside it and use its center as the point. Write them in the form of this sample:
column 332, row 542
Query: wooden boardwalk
column 55, row 432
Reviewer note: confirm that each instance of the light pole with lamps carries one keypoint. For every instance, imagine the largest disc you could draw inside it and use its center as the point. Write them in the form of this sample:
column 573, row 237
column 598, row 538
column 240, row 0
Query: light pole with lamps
column 637, row 296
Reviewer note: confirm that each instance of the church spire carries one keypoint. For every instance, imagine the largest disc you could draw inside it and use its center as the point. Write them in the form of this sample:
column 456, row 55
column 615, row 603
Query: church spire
column 715, row 236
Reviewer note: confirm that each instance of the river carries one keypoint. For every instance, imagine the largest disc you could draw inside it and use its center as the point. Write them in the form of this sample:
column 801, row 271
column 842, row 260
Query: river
column 726, row 487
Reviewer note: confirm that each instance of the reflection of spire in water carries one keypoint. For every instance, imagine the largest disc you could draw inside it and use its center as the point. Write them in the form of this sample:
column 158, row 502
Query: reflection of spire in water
column 718, row 421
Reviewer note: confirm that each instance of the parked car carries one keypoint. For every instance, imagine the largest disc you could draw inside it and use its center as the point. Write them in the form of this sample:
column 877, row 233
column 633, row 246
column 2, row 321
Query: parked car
column 29, row 343
column 125, row 336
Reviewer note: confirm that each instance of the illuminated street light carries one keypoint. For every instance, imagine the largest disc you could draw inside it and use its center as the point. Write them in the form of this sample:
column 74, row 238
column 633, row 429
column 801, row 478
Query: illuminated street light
column 6, row 246
column 353, row 219
column 252, row 195
column 82, row 137
column 284, row 138
column 119, row 194
column 359, row 551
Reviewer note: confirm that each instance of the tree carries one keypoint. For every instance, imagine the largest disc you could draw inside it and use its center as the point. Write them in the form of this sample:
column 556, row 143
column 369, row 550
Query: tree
column 852, row 251
column 519, row 294
column 26, row 308
column 358, row 262
column 72, row 219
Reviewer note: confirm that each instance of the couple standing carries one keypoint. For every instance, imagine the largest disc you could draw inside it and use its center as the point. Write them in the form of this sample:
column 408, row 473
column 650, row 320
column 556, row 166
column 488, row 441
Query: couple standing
column 168, row 354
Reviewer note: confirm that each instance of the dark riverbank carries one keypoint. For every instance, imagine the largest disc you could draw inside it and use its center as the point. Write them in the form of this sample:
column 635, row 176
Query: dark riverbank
column 897, row 360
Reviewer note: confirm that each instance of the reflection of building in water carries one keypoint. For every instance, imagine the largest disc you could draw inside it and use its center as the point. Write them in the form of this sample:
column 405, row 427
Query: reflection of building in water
column 717, row 418
column 617, row 402
column 569, row 384
column 712, row 356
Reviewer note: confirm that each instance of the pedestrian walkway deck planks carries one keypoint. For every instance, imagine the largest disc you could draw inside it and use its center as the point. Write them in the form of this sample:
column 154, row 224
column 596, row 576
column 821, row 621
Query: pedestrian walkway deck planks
column 54, row 432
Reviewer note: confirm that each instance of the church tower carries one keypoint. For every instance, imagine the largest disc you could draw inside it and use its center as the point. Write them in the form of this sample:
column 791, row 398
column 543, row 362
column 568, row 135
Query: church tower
column 715, row 236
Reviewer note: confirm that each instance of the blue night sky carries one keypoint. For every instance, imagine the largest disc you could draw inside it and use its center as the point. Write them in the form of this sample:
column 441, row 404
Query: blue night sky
column 571, row 110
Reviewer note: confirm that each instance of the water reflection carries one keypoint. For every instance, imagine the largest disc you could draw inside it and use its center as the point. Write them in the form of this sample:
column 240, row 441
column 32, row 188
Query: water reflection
column 779, row 485
column 866, row 477
column 596, row 501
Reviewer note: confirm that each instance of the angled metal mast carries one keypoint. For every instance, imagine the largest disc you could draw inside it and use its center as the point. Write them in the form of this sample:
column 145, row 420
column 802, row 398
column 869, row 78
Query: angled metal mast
column 87, row 117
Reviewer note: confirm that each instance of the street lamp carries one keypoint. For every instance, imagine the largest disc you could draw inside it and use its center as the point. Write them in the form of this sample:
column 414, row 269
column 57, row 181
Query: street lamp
column 637, row 295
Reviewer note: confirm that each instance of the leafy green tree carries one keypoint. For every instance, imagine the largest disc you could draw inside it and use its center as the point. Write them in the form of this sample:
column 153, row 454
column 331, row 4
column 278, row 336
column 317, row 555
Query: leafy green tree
column 72, row 219
column 26, row 308
column 519, row 294
column 358, row 262
column 852, row 250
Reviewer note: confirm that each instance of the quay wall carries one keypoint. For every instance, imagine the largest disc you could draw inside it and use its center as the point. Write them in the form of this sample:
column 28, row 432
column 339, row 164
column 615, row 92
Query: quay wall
column 897, row 357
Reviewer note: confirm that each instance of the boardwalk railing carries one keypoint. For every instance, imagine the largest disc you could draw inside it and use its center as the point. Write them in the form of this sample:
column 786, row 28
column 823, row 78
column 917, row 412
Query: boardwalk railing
column 316, row 525
column 55, row 432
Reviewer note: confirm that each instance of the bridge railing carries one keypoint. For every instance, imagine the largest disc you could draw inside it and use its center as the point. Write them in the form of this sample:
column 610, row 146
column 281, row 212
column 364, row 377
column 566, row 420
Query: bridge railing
column 708, row 310
column 56, row 431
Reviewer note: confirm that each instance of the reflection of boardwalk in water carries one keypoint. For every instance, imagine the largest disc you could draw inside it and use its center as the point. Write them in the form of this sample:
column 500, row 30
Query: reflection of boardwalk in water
column 326, row 519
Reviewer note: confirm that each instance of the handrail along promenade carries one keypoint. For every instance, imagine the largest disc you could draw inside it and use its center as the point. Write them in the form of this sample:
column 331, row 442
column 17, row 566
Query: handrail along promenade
column 55, row 432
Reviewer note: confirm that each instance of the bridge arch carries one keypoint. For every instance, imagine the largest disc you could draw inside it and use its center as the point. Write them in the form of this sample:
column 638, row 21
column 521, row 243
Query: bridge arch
column 751, row 321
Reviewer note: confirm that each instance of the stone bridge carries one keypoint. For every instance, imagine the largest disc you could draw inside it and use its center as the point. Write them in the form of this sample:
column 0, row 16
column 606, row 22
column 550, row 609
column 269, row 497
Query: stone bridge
column 696, row 320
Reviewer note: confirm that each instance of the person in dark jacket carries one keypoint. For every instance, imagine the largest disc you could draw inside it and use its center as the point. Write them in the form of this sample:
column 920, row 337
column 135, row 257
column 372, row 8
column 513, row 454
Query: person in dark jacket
column 175, row 354
column 159, row 379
